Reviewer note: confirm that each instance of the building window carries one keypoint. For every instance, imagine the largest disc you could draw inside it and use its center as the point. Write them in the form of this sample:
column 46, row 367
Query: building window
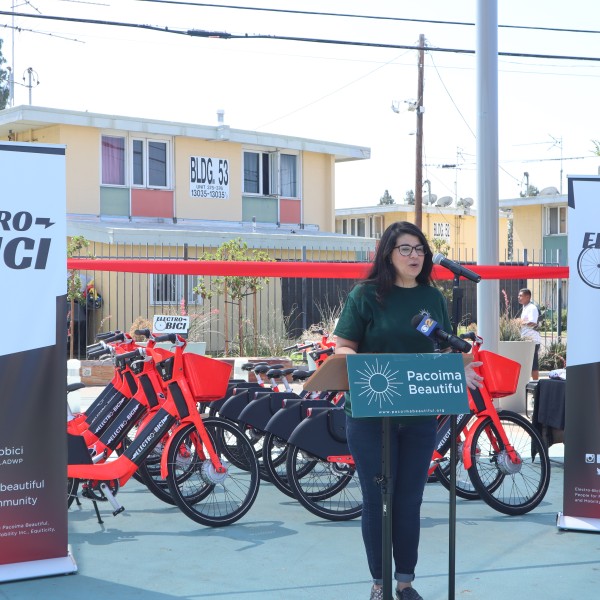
column 170, row 289
column 113, row 160
column 556, row 220
column 360, row 227
column 377, row 227
column 149, row 163
column 288, row 173
column 138, row 162
column 253, row 173
column 271, row 174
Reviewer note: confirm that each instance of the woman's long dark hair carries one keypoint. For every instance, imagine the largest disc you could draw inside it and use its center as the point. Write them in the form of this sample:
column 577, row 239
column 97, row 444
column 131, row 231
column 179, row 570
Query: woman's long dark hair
column 382, row 273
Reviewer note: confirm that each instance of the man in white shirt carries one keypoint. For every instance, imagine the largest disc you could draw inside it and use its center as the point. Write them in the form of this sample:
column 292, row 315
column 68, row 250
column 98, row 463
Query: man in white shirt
column 529, row 321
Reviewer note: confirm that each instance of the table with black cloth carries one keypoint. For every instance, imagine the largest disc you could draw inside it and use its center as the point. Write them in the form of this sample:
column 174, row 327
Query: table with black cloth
column 549, row 409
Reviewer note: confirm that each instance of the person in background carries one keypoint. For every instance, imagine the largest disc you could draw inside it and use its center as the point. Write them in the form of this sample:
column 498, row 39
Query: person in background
column 376, row 318
column 529, row 320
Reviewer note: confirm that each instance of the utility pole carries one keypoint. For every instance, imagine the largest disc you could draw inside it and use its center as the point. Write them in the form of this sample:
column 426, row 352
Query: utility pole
column 419, row 137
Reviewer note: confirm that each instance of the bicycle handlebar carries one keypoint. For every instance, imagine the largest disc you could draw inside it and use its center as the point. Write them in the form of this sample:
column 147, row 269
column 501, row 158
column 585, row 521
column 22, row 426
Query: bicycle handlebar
column 107, row 334
column 470, row 335
column 299, row 347
column 120, row 359
column 315, row 354
column 97, row 350
column 145, row 332
column 111, row 336
column 167, row 337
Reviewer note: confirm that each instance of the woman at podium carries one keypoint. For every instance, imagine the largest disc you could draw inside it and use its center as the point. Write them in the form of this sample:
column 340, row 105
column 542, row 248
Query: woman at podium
column 376, row 318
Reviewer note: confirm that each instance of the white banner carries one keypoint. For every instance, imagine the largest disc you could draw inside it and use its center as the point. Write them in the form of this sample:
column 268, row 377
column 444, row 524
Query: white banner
column 32, row 215
column 584, row 272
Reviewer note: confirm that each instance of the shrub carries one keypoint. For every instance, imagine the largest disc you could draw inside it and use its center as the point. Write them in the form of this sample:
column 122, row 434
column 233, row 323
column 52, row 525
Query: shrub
column 554, row 356
column 510, row 328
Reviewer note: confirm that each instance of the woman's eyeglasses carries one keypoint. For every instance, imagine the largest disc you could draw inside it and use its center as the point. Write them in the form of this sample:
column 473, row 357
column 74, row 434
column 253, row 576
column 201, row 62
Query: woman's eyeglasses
column 407, row 250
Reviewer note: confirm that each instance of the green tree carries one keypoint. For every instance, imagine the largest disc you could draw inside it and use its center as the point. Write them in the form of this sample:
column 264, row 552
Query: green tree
column 4, row 81
column 409, row 197
column 386, row 198
column 235, row 288
column 74, row 292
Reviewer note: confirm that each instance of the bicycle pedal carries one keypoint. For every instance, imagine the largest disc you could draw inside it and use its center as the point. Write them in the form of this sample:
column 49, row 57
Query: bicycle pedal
column 118, row 511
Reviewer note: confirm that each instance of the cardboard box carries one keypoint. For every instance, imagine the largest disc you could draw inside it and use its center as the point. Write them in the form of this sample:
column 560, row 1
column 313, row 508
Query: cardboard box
column 332, row 375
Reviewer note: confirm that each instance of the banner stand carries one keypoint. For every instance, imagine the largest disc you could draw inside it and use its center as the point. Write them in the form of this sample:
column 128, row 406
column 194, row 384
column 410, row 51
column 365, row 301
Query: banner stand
column 33, row 377
column 577, row 523
column 64, row 565
column 581, row 488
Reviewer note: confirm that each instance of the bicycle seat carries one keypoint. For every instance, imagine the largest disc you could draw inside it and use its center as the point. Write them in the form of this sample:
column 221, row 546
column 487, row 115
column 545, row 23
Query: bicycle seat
column 72, row 387
column 301, row 374
column 251, row 366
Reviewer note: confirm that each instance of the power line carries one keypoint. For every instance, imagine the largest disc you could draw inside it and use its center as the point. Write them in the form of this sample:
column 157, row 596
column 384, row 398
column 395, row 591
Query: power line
column 355, row 16
column 93, row 22
column 224, row 35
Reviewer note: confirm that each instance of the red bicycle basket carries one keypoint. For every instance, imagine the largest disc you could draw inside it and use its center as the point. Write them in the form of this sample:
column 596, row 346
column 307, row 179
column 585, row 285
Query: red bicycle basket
column 500, row 374
column 207, row 377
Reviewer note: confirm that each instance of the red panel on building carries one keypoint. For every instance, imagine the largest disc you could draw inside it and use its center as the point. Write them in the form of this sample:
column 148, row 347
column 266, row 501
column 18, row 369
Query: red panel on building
column 151, row 203
column 289, row 211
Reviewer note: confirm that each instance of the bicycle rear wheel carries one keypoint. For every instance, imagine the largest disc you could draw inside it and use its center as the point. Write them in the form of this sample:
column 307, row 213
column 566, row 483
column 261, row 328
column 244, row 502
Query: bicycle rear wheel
column 275, row 451
column 464, row 486
column 274, row 456
column 72, row 488
column 512, row 488
column 329, row 490
column 205, row 496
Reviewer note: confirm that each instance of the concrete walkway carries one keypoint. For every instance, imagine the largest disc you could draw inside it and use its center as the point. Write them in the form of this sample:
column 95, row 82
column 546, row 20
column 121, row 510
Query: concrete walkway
column 281, row 551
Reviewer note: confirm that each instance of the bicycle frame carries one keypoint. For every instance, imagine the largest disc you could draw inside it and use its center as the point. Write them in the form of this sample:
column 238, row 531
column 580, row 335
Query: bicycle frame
column 141, row 392
column 482, row 406
column 179, row 408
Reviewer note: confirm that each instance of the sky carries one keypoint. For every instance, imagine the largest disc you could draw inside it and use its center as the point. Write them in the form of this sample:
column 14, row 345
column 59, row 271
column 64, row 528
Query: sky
column 339, row 93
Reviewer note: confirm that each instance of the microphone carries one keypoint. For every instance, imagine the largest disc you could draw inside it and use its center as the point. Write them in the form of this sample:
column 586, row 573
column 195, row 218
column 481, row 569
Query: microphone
column 457, row 269
column 429, row 327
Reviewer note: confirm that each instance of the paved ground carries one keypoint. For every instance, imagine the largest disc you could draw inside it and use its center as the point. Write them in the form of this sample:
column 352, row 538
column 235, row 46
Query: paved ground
column 281, row 551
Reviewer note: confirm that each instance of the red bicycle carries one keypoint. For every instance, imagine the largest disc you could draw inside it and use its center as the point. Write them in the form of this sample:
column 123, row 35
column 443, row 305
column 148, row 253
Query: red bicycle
column 216, row 482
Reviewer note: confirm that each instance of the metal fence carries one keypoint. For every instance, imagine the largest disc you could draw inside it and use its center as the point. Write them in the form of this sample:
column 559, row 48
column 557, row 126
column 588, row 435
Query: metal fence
column 264, row 322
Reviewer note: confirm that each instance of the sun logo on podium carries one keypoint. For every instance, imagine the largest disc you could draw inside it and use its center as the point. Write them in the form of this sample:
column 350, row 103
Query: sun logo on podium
column 379, row 383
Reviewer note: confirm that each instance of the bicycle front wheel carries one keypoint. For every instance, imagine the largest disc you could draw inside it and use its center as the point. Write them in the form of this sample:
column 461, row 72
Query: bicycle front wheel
column 329, row 490
column 203, row 494
column 510, row 486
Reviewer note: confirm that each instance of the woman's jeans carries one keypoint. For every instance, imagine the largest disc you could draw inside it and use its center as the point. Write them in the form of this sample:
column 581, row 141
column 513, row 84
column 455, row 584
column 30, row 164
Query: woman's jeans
column 412, row 448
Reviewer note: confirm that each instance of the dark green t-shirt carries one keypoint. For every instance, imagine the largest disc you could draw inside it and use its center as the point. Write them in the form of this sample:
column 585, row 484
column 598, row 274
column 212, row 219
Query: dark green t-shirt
column 386, row 328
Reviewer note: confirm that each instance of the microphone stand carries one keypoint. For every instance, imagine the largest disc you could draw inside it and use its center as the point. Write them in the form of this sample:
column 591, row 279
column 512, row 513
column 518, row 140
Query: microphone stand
column 386, row 484
column 457, row 296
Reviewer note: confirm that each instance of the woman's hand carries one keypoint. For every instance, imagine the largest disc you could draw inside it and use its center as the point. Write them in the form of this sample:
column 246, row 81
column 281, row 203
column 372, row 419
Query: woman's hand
column 343, row 346
column 474, row 380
